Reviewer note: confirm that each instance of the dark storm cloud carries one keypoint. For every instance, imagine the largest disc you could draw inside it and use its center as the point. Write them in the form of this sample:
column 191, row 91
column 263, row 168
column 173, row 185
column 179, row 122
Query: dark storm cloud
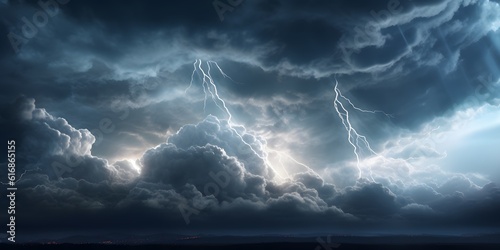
column 130, row 62
column 92, row 45
column 201, row 172
column 168, row 178
column 372, row 200
column 41, row 134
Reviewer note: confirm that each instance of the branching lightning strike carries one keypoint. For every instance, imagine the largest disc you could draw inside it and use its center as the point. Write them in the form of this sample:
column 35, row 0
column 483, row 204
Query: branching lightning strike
column 210, row 90
column 355, row 139
column 360, row 109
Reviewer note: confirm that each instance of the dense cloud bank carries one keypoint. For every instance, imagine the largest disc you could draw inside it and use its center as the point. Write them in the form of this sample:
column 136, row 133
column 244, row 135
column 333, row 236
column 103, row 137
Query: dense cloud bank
column 198, row 180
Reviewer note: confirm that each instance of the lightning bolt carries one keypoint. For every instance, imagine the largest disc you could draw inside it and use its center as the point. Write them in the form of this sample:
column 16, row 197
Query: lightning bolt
column 356, row 140
column 192, row 77
column 221, row 71
column 360, row 109
column 210, row 91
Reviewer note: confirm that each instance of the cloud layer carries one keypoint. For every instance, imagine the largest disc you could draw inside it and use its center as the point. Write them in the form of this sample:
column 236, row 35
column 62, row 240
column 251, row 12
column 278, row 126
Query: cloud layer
column 118, row 141
column 198, row 180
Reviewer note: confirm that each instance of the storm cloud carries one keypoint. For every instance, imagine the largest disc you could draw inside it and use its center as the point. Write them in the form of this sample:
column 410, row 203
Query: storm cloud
column 117, row 127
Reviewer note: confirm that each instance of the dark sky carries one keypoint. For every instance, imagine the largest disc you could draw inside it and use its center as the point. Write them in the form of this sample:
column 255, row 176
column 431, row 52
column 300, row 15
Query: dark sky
column 253, row 116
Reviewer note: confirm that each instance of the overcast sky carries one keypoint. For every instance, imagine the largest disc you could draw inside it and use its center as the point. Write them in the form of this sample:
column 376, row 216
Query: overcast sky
column 253, row 116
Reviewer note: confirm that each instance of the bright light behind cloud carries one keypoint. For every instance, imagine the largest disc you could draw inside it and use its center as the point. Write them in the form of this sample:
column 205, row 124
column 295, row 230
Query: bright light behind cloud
column 474, row 148
column 464, row 143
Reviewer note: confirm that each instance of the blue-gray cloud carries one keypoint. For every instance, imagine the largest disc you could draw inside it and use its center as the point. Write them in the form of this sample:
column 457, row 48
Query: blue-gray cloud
column 119, row 134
